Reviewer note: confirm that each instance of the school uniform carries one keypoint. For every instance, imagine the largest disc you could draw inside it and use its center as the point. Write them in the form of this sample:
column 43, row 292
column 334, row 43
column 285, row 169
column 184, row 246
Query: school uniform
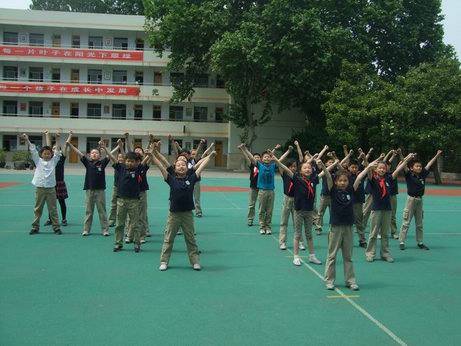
column 128, row 190
column 113, row 202
column 61, row 188
column 393, row 199
column 414, row 204
column 95, row 187
column 340, row 236
column 143, row 219
column 44, row 181
column 325, row 202
column 304, row 200
column 359, row 199
column 266, row 187
column 380, row 189
column 287, row 207
column 197, row 191
column 180, row 215
column 366, row 210
column 253, row 195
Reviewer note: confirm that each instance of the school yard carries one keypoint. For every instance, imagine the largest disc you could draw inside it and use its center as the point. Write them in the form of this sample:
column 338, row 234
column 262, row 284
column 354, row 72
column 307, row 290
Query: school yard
column 73, row 290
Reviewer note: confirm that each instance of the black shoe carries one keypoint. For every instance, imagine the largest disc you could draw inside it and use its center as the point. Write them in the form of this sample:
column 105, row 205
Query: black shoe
column 112, row 225
column 33, row 231
column 118, row 248
column 423, row 247
column 47, row 223
column 58, row 232
column 402, row 246
column 64, row 222
column 137, row 248
column 363, row 243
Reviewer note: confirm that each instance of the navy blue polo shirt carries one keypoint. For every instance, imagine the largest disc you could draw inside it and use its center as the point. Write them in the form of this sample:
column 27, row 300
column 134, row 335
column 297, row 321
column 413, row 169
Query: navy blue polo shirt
column 325, row 191
column 342, row 206
column 288, row 186
column 304, row 188
column 416, row 183
column 181, row 192
column 129, row 181
column 359, row 194
column 143, row 172
column 253, row 176
column 381, row 197
column 95, row 175
column 59, row 170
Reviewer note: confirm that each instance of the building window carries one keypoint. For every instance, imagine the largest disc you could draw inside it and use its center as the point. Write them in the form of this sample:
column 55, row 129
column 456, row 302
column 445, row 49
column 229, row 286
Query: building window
column 10, row 107
column 158, row 78
column 201, row 81
column 75, row 41
column 36, row 39
column 220, row 82
column 176, row 112
column 56, row 40
column 95, row 42
column 139, row 77
column 92, row 143
column 118, row 111
column 35, row 108
column 137, row 112
column 219, row 114
column 93, row 110
column 10, row 142
column 139, row 44
column 94, row 76
column 10, row 38
column 74, row 76
column 176, row 77
column 200, row 113
column 56, row 75
column 119, row 77
column 121, row 43
column 74, row 110
column 35, row 74
column 157, row 112
column 10, row 72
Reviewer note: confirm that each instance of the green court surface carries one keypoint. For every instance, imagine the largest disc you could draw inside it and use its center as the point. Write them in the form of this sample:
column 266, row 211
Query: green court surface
column 75, row 291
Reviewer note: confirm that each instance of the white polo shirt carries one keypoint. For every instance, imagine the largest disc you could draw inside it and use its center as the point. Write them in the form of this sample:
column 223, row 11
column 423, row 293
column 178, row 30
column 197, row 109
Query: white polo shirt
column 44, row 175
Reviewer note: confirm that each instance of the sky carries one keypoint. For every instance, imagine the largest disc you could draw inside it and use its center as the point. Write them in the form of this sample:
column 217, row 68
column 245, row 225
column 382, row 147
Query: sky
column 451, row 9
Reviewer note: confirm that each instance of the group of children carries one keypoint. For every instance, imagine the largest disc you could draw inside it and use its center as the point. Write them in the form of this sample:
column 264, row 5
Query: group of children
column 129, row 199
column 345, row 184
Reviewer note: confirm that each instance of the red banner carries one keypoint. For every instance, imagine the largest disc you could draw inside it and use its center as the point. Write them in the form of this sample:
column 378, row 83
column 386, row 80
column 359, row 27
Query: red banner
column 72, row 53
column 75, row 89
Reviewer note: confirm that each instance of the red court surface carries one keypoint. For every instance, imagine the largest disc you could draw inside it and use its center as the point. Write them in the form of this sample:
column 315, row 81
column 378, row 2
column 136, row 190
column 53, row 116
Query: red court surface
column 8, row 184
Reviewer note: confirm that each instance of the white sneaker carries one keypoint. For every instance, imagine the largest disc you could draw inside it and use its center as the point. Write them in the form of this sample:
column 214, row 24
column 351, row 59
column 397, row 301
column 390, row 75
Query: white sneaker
column 314, row 259
column 163, row 266
column 297, row 261
column 330, row 287
column 379, row 236
column 84, row 233
column 143, row 241
column 302, row 247
column 283, row 246
column 197, row 266
column 268, row 231
column 262, row 231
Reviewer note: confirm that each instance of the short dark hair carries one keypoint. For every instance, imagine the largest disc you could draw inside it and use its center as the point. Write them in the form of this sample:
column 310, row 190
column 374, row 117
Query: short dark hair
column 290, row 162
column 414, row 161
column 184, row 152
column 340, row 173
column 256, row 154
column 353, row 162
column 131, row 155
column 46, row 147
column 329, row 157
column 138, row 147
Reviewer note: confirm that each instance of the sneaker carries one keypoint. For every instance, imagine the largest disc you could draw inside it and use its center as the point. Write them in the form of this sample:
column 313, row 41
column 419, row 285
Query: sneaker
column 148, row 235
column 112, row 224
column 33, row 231
column 197, row 266
column 319, row 231
column 369, row 259
column 283, row 246
column 314, row 259
column 395, row 236
column 179, row 232
column 143, row 241
column 301, row 246
column 128, row 240
column 163, row 266
column 105, row 233
column 137, row 248
column 423, row 247
column 250, row 223
column 85, row 233
column 402, row 246
column 57, row 232
column 330, row 287
column 262, row 231
column 199, row 215
column 268, row 231
column 363, row 243
column 379, row 236
column 297, row 261
column 353, row 287
column 47, row 223
column 64, row 222
column 118, row 248
column 388, row 259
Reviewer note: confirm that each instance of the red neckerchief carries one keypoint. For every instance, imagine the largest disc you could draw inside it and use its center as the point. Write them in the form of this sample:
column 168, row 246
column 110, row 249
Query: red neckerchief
column 290, row 187
column 139, row 179
column 382, row 185
column 255, row 171
column 310, row 190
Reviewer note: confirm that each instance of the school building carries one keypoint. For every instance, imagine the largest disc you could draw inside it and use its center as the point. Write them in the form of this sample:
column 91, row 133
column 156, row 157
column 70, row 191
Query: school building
column 96, row 74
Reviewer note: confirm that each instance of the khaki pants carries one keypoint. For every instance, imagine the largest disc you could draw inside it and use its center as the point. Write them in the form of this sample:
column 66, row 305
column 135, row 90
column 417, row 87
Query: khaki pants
column 175, row 221
column 127, row 207
column 393, row 200
column 266, row 206
column 287, row 210
column 45, row 195
column 253, row 196
column 358, row 220
column 98, row 198
column 303, row 217
column 198, row 207
column 113, row 207
column 143, row 222
column 413, row 207
column 367, row 210
column 380, row 224
column 340, row 238
column 325, row 202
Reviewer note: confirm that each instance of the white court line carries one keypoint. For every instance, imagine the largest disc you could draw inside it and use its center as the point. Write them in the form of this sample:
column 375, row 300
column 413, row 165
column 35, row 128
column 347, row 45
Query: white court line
column 354, row 304
column 229, row 200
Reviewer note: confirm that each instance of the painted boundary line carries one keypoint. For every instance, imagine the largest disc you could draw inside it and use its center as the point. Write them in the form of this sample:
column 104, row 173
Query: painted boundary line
column 354, row 304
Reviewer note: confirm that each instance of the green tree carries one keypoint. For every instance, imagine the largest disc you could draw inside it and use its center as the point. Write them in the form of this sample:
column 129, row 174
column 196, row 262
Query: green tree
column 98, row 6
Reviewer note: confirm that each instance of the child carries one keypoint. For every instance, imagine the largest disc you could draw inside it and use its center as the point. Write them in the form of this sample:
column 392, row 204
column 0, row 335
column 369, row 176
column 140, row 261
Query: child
column 415, row 176
column 253, row 195
column 394, row 193
column 359, row 199
column 181, row 184
column 45, row 182
column 304, row 185
column 380, row 182
column 113, row 202
column 95, row 187
column 341, row 220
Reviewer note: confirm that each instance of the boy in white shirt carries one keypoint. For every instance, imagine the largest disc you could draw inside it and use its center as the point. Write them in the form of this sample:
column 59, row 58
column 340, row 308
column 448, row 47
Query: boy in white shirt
column 45, row 181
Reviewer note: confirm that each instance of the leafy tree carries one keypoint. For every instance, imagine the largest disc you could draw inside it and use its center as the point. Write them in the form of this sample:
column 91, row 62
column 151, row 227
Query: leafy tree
column 96, row 6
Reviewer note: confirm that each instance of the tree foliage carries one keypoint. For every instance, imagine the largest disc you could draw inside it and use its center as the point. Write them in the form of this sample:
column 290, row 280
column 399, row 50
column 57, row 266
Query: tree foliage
column 135, row 7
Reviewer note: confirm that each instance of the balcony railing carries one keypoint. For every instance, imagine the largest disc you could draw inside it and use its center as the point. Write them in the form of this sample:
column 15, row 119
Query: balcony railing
column 51, row 46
